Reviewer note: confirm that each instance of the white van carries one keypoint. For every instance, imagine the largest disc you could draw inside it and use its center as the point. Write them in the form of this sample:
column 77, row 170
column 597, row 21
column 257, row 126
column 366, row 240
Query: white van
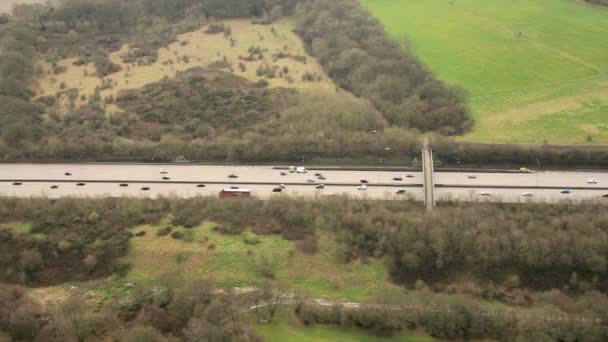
column 301, row 169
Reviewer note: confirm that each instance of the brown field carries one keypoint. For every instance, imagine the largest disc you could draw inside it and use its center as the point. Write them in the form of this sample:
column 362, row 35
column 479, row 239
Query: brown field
column 202, row 50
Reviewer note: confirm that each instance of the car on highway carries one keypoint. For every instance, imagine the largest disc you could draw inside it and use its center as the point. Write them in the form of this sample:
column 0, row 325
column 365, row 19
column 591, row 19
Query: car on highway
column 232, row 175
column 123, row 185
column 400, row 192
column 524, row 170
column 234, row 187
column 565, row 191
column 364, row 181
column 591, row 181
column 484, row 193
column 17, row 183
column 200, row 185
column 283, row 173
column 277, row 189
column 163, row 172
column 282, row 186
column 362, row 187
column 409, row 175
column 398, row 179
column 54, row 186
column 472, row 177
column 310, row 180
column 318, row 174
column 320, row 186
column 301, row 169
column 321, row 177
column 527, row 194
column 80, row 184
column 166, row 178
column 145, row 188
column 67, row 174
column 605, row 196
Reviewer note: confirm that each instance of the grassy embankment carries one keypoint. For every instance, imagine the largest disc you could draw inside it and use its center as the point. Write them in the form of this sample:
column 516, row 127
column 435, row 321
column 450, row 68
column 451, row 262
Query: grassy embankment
column 229, row 260
column 536, row 70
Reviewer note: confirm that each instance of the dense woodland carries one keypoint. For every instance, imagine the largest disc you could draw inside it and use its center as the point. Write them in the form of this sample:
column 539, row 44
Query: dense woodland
column 519, row 255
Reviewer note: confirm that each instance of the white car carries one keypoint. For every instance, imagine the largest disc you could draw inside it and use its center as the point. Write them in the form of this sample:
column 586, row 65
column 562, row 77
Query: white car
column 301, row 169
column 282, row 186
column 484, row 193
column 362, row 187
column 592, row 181
column 527, row 194
column 163, row 172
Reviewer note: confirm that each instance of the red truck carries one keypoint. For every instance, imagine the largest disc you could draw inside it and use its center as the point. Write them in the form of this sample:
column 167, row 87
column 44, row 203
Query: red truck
column 235, row 193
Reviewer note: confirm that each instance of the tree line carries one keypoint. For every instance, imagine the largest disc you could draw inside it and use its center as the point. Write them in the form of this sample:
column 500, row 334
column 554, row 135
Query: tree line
column 472, row 154
column 356, row 52
column 454, row 318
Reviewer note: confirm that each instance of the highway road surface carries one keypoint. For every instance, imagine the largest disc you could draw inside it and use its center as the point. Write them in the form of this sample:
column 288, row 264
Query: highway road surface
column 184, row 180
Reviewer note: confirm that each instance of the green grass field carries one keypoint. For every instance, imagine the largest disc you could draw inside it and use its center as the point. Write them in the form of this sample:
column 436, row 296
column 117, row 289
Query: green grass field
column 232, row 262
column 283, row 330
column 536, row 70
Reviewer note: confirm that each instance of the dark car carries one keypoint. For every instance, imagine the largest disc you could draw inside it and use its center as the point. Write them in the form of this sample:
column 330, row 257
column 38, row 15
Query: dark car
column 67, row 174
column 234, row 187
column 80, row 184
column 166, row 178
column 17, row 183
column 283, row 173
column 364, row 181
column 472, row 177
column 318, row 175
column 565, row 191
column 54, row 186
column 397, row 179
column 321, row 177
column 145, row 188
column 400, row 192
column 233, row 176
column 320, row 186
column 200, row 185
column 277, row 190
column 409, row 175
column 123, row 185
column 605, row 196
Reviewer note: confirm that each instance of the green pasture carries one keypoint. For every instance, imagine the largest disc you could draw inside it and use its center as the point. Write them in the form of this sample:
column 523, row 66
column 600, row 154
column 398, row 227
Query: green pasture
column 536, row 70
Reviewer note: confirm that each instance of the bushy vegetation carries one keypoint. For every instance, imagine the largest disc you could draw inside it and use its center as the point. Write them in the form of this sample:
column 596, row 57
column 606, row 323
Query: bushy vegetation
column 165, row 312
column 541, row 245
column 498, row 252
column 356, row 52
column 454, row 319
column 202, row 100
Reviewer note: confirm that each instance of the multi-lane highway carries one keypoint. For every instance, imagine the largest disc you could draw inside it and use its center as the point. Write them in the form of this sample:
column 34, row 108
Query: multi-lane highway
column 184, row 180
